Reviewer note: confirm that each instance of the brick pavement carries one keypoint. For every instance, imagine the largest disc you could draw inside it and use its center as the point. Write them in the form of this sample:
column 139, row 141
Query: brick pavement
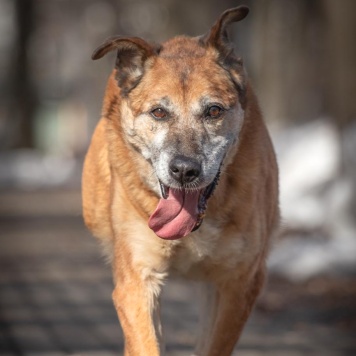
column 55, row 294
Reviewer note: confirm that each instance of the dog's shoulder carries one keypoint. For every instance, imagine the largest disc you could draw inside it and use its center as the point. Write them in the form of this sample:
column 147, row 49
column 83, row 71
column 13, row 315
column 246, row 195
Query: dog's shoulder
column 96, row 184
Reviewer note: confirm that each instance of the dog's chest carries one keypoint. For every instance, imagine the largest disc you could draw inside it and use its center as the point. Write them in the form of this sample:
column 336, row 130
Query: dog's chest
column 207, row 248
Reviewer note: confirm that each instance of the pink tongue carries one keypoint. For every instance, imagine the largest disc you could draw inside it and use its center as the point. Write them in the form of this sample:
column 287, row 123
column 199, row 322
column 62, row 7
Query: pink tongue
column 175, row 216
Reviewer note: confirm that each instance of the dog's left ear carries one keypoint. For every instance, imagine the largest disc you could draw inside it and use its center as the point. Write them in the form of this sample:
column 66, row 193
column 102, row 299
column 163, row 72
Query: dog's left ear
column 132, row 53
column 217, row 38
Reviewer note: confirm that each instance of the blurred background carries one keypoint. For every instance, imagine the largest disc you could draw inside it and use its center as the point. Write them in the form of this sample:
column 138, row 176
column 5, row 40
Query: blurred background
column 55, row 289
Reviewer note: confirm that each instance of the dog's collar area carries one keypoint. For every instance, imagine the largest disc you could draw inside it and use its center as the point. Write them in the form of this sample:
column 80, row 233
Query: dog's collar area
column 203, row 201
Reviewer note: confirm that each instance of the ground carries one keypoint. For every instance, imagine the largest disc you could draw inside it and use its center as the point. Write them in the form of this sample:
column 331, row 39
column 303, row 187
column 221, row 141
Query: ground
column 55, row 294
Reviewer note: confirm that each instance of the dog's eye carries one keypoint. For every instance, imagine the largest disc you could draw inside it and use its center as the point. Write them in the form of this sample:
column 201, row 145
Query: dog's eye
column 159, row 113
column 214, row 112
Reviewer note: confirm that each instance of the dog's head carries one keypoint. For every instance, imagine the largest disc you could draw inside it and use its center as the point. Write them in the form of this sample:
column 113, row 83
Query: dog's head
column 182, row 107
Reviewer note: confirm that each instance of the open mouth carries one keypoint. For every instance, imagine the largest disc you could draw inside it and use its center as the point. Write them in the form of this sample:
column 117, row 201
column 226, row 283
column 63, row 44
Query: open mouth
column 180, row 211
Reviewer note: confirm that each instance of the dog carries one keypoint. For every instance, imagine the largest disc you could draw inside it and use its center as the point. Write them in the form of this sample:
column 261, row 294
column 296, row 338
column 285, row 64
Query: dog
column 181, row 179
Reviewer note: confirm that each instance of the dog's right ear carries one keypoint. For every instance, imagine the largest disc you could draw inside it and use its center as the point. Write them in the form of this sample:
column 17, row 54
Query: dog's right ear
column 132, row 53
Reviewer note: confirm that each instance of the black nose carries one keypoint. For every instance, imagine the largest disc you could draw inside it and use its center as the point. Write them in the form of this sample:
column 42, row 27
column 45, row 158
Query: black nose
column 184, row 169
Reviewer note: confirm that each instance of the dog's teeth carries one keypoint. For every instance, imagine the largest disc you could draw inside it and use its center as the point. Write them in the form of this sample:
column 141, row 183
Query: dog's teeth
column 163, row 190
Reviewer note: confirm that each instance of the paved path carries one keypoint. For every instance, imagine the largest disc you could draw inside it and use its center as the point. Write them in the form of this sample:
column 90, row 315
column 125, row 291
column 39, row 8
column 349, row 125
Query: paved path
column 55, row 295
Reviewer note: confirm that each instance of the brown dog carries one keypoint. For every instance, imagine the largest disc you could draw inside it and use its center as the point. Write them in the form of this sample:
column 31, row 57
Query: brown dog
column 181, row 124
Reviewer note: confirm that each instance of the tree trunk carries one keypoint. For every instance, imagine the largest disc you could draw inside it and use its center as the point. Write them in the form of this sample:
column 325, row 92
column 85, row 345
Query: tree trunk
column 23, row 94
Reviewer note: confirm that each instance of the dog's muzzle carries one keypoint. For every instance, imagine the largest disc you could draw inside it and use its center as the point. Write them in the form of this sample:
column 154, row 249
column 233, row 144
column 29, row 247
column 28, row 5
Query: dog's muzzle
column 181, row 211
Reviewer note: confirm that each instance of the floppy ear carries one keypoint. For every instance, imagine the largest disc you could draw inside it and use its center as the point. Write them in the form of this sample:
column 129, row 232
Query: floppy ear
column 132, row 53
column 217, row 38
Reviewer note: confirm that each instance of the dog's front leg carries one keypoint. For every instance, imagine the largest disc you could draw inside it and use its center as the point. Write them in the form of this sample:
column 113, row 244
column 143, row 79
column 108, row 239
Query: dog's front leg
column 229, row 307
column 208, row 310
column 136, row 299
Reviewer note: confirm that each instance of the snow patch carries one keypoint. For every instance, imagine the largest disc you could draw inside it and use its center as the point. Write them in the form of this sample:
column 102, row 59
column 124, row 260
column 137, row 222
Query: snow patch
column 316, row 199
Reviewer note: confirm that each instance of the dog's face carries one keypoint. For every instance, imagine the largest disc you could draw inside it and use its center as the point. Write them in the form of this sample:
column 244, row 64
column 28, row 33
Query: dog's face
column 182, row 108
column 184, row 115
